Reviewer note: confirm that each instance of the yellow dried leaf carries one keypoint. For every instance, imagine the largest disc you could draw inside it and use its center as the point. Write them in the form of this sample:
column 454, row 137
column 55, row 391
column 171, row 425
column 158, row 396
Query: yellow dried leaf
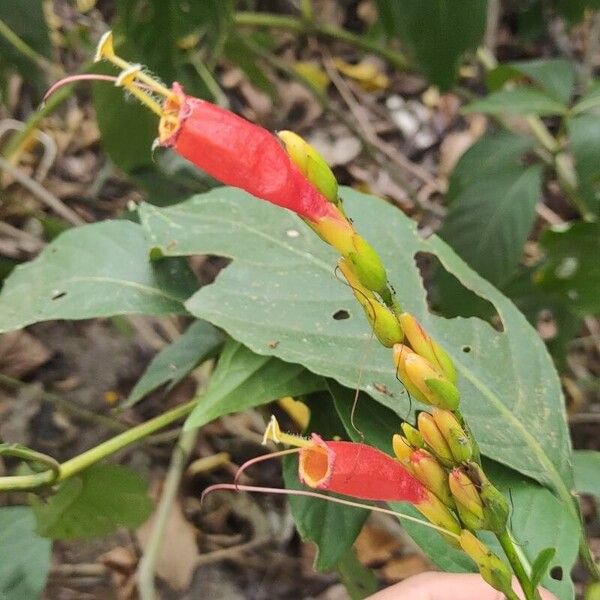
column 313, row 72
column 366, row 73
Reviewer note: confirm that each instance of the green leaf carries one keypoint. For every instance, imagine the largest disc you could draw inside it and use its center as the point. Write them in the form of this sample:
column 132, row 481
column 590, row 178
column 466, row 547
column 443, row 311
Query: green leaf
column 127, row 128
column 540, row 565
column 332, row 527
column 584, row 135
column 176, row 360
column 358, row 580
column 96, row 502
column 570, row 268
column 24, row 556
column 280, row 295
column 492, row 198
column 520, row 101
column 26, row 20
column 590, row 101
column 587, row 472
column 437, row 32
column 96, row 270
column 555, row 76
column 244, row 379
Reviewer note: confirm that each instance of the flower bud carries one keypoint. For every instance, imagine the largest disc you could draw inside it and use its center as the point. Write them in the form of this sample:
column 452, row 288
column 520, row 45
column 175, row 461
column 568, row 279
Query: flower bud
column 415, row 439
column 468, row 501
column 424, row 382
column 367, row 264
column 311, row 164
column 458, row 441
column 432, row 475
column 384, row 323
column 439, row 514
column 493, row 570
column 402, row 449
column 495, row 506
column 434, row 439
column 423, row 345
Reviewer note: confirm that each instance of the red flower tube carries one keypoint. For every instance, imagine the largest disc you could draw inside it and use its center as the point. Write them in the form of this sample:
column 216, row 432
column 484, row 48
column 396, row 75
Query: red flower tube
column 357, row 470
column 237, row 153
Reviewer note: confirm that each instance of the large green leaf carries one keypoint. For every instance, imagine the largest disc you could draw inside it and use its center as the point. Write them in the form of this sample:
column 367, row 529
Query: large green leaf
column 280, row 297
column 520, row 101
column 571, row 268
column 538, row 520
column 176, row 360
column 94, row 503
column 492, row 206
column 244, row 379
column 332, row 527
column 94, row 271
column 24, row 555
column 584, row 134
column 437, row 32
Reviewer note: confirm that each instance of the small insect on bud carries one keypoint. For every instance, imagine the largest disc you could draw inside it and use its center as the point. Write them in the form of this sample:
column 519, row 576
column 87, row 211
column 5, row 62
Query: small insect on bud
column 432, row 475
column 458, row 441
column 382, row 320
column 493, row 570
column 311, row 164
column 425, row 346
column 434, row 439
column 423, row 381
column 467, row 499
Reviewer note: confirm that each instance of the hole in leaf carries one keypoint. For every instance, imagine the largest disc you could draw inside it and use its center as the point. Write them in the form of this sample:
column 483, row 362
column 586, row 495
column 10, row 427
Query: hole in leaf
column 556, row 573
column 57, row 294
column 340, row 315
column 448, row 297
column 466, row 349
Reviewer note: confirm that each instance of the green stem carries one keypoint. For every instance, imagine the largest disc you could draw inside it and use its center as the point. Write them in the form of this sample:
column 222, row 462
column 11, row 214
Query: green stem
column 254, row 19
column 19, row 451
column 147, row 566
column 516, row 564
column 25, row 49
column 98, row 453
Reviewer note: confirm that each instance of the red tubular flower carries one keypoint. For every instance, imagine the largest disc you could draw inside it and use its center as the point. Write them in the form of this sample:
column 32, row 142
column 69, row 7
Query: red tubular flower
column 357, row 470
column 238, row 153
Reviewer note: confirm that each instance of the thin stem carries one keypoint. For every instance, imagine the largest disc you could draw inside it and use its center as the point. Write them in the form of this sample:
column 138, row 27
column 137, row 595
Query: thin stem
column 25, row 49
column 98, row 453
column 30, row 455
column 516, row 564
column 147, row 566
column 254, row 19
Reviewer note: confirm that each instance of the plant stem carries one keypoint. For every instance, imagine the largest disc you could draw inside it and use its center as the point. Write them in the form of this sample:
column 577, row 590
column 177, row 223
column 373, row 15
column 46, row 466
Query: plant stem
column 26, row 50
column 254, row 19
column 98, row 453
column 147, row 566
column 516, row 564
